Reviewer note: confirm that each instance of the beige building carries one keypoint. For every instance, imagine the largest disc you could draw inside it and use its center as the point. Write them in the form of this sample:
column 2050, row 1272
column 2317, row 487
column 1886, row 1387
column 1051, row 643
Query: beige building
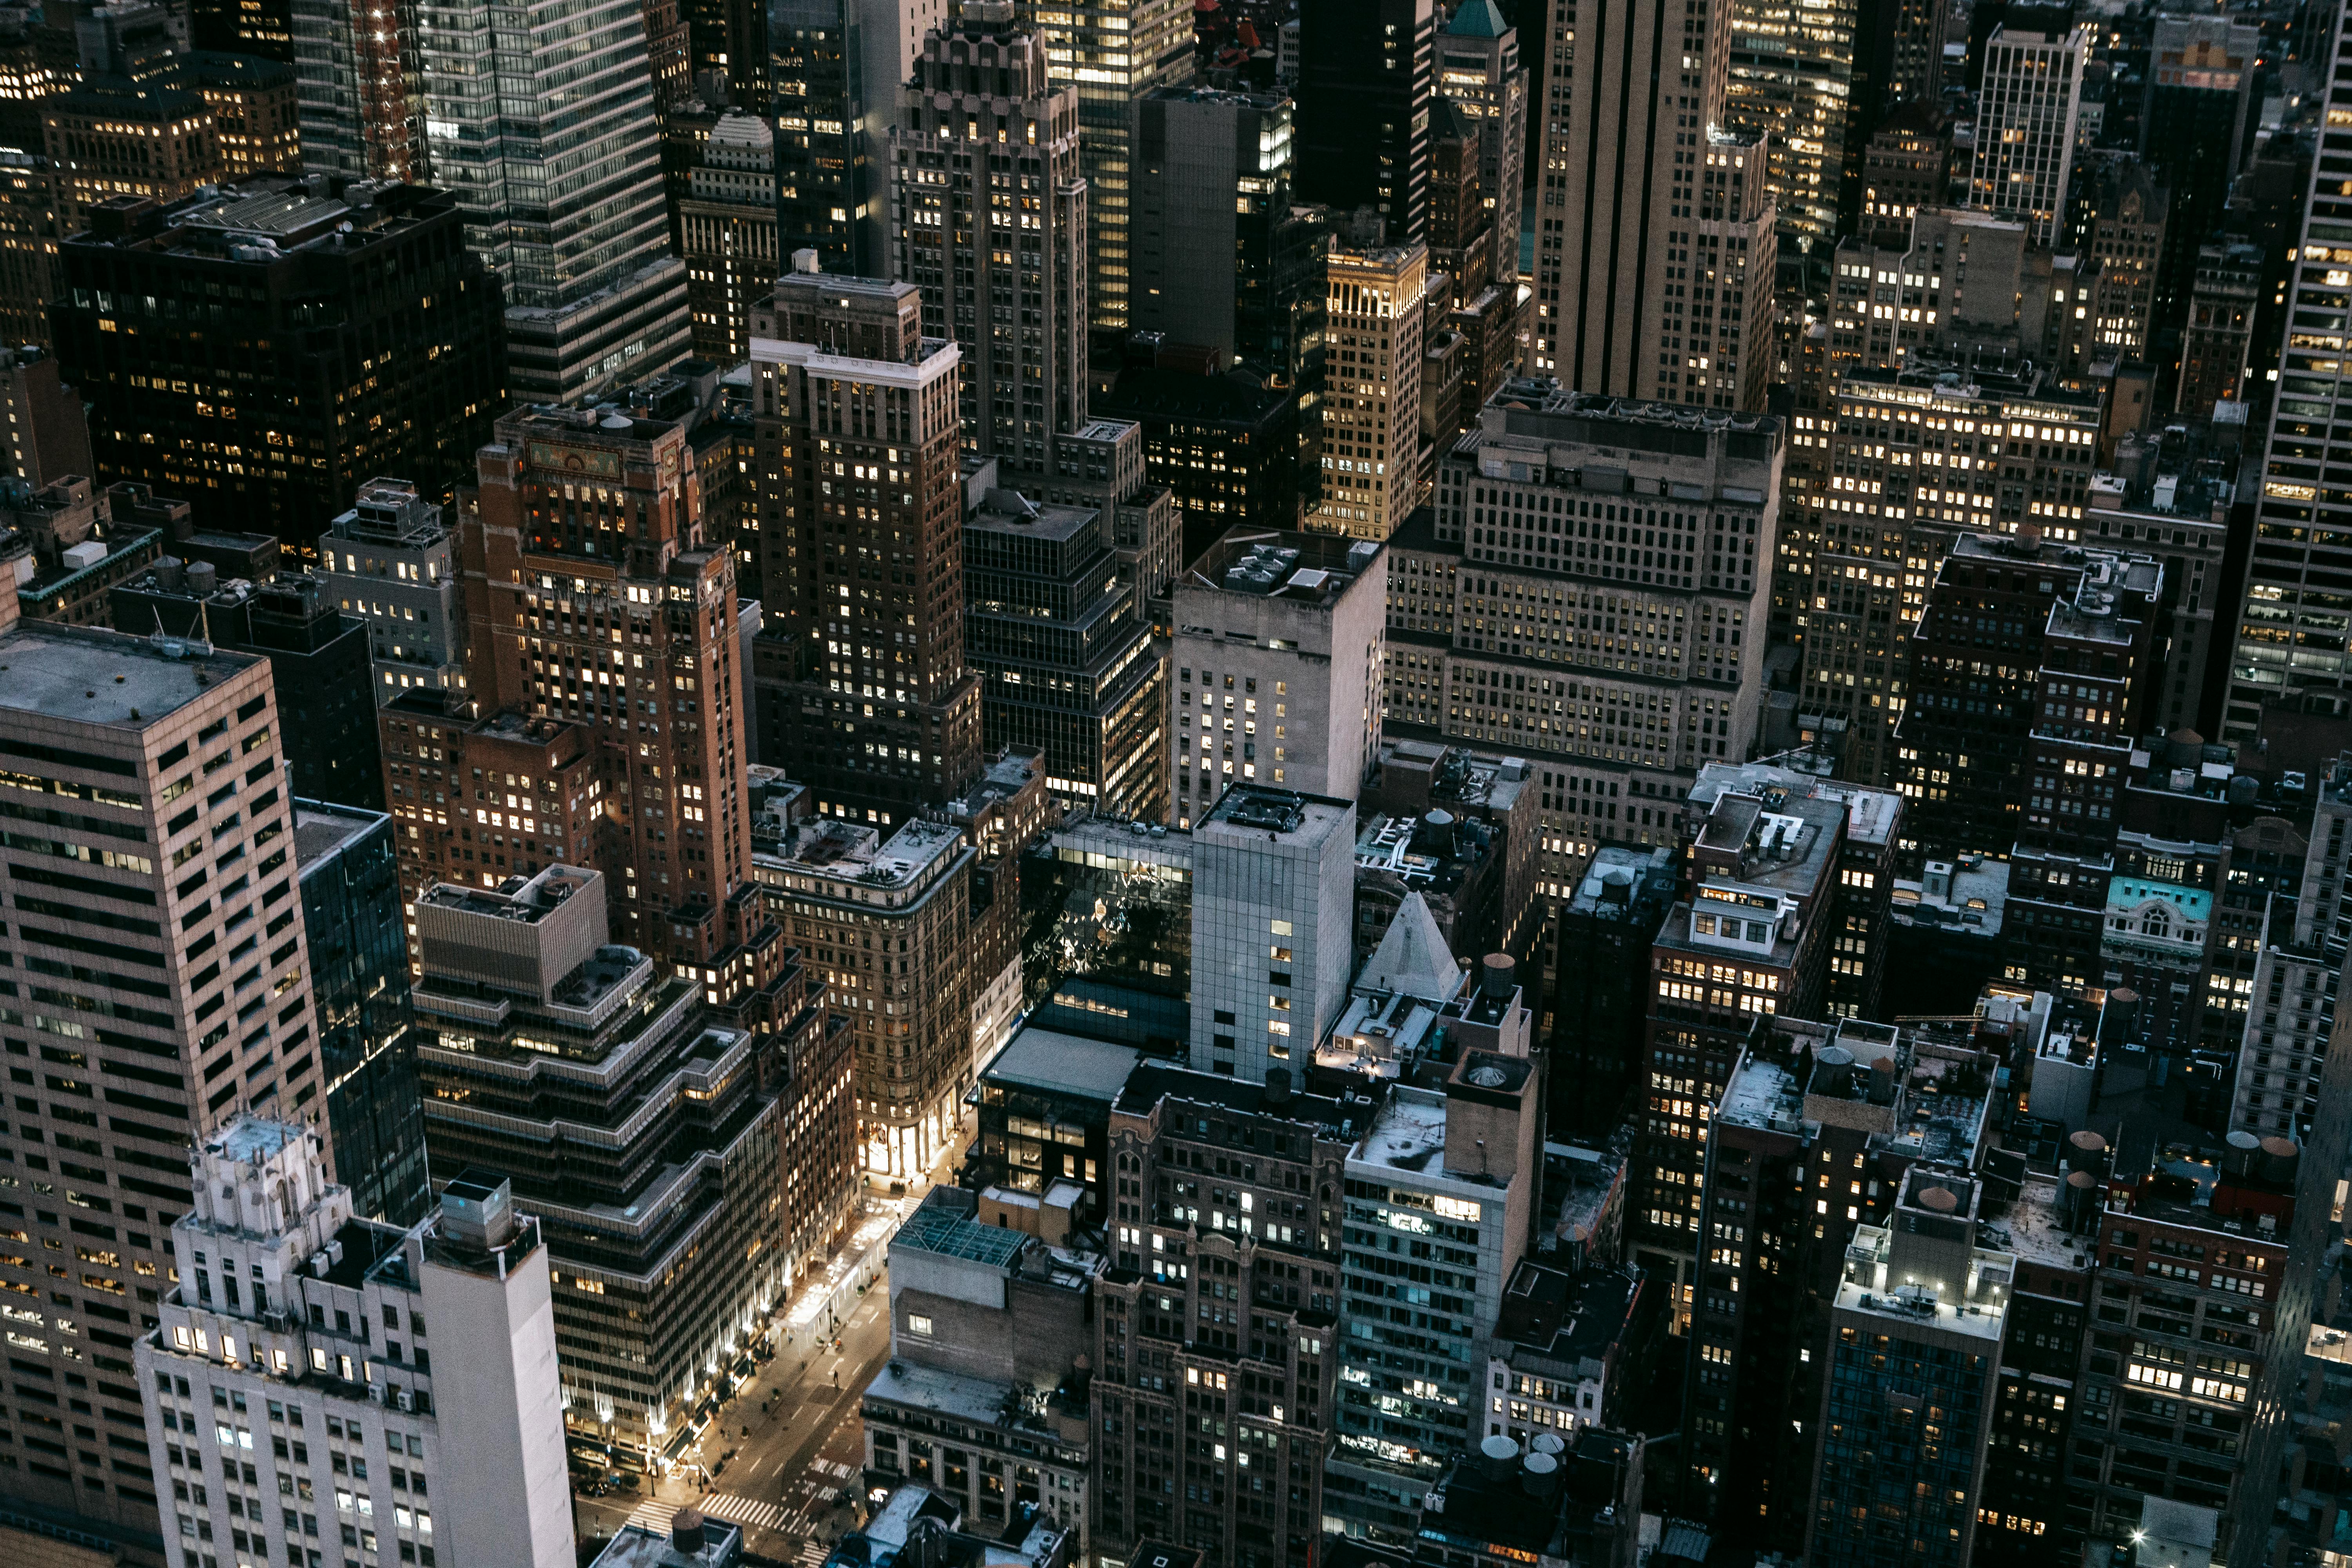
column 1372, row 407
column 1655, row 241
column 158, row 986
column 2032, row 101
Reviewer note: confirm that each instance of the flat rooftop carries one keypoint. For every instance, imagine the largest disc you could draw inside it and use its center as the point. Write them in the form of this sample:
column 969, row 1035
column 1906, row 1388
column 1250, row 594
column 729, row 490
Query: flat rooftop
column 1008, row 512
column 321, row 827
column 1062, row 1064
column 951, row 1233
column 1285, row 812
column 1309, row 568
column 92, row 675
column 635, row 1546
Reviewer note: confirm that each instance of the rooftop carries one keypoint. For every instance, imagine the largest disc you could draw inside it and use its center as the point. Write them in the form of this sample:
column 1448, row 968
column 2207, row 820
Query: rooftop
column 321, row 827
column 1005, row 511
column 515, row 899
column 1284, row 812
column 944, row 1230
column 92, row 675
column 2125, row 895
column 637, row 1546
column 1408, row 1134
column 1062, row 1064
column 848, row 851
column 1311, row 568
column 1155, row 1081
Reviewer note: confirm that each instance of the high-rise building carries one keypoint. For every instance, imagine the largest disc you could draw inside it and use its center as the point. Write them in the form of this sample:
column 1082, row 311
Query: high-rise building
column 2294, row 606
column 361, row 90
column 2030, row 102
column 392, row 561
column 2217, row 330
column 1478, row 67
column 1654, row 240
column 1011, row 294
column 647, row 1139
column 125, row 954
column 134, row 121
column 327, row 403
column 1066, row 664
column 1365, row 81
column 1268, row 1239
column 860, row 672
column 1917, row 1327
column 1370, row 440
column 1297, row 704
column 2126, row 237
column 559, row 569
column 1273, row 915
column 1892, row 473
column 311, row 1336
column 1227, row 447
column 728, row 222
column 356, row 920
column 254, row 119
column 1814, row 84
column 1209, row 199
column 565, row 209
column 1114, row 54
column 1455, row 1166
column 887, row 920
column 1905, row 166
column 30, row 230
column 318, row 657
column 1588, row 593
column 47, row 434
column 2199, row 91
column 836, row 69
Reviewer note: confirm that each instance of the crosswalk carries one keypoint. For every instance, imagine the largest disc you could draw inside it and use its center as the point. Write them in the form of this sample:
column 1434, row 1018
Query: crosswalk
column 812, row 1555
column 802, row 1510
column 743, row 1510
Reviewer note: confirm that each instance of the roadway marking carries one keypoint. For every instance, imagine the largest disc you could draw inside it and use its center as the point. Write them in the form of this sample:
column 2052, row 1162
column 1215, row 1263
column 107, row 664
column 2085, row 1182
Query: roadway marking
column 812, row 1555
column 744, row 1510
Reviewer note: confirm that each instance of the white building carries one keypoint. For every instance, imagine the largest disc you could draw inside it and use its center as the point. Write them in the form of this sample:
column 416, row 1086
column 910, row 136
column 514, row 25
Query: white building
column 2026, row 124
column 1274, row 912
column 391, row 562
column 1278, row 651
column 293, row 1401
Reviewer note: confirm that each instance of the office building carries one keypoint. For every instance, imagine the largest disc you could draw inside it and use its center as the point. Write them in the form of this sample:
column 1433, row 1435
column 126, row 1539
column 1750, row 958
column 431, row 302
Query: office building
column 888, row 923
column 2030, row 102
column 565, row 210
column 1103, row 464
column 356, row 919
column 1655, row 239
column 1114, row 54
column 30, row 229
column 392, row 561
column 828, row 74
column 318, row 657
column 646, row 1140
column 1813, row 88
column 2217, row 326
column 1478, row 69
column 981, row 81
column 2002, row 304
column 728, row 236
column 1273, row 919
column 134, row 122
column 1365, row 81
column 166, row 411
column 301, row 1331
column 1227, row 447
column 864, row 699
column 47, row 435
column 1917, row 1327
column 992, row 1309
column 255, row 121
column 1272, row 1240
column 2037, row 755
column 2199, row 93
column 1878, row 512
column 2284, row 641
column 1293, row 701
column 68, row 545
column 1210, row 199
column 1600, row 616
column 555, row 569
column 360, row 89
column 1370, row 435
column 2126, row 238
column 1599, row 1003
column 1770, row 855
column 1457, row 1166
column 131, row 949
column 1066, row 664
column 1905, row 166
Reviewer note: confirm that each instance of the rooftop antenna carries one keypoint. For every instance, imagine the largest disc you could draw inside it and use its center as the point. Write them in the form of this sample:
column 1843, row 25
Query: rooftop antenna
column 203, row 641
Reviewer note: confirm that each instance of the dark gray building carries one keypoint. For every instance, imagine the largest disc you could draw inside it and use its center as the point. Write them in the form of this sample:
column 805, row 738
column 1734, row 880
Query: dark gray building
column 1366, row 76
column 351, row 911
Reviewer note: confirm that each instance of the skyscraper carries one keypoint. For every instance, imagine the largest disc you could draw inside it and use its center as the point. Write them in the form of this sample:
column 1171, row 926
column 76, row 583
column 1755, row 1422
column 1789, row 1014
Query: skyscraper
column 360, row 89
column 1209, row 197
column 838, row 67
column 2201, row 88
column 1478, row 67
column 2032, row 98
column 1366, row 77
column 593, row 594
column 1373, row 318
column 859, row 675
column 1654, row 240
column 1114, row 54
column 988, row 216
column 565, row 206
column 729, row 234
column 169, row 845
column 2299, row 598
